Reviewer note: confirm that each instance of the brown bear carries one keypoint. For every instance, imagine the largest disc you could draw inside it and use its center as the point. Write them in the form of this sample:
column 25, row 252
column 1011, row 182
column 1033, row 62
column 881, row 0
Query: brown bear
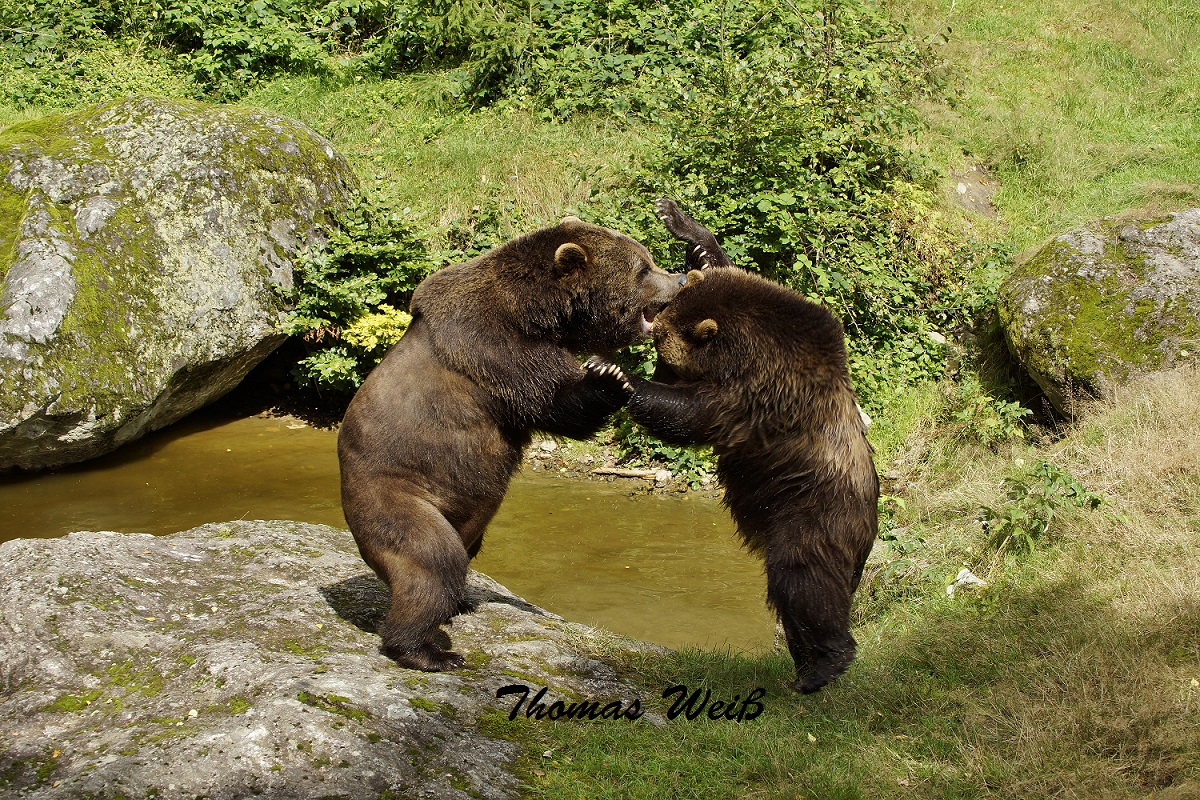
column 760, row 373
column 431, row 439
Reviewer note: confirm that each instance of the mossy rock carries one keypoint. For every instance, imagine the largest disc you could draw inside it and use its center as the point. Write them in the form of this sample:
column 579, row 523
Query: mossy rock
column 1112, row 300
column 146, row 251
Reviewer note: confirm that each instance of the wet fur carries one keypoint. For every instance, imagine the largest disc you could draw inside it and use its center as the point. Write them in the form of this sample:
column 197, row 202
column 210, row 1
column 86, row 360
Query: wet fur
column 430, row 441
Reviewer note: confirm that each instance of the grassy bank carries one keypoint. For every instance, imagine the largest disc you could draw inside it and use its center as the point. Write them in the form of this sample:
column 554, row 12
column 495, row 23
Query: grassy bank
column 1078, row 109
column 446, row 166
column 1074, row 673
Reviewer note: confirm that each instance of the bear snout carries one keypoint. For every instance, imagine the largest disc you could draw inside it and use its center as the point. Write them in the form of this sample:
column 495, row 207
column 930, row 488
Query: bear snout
column 660, row 288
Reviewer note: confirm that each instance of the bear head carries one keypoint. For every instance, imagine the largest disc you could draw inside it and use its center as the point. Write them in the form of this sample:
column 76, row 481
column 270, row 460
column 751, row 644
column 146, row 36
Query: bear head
column 731, row 327
column 579, row 286
column 606, row 289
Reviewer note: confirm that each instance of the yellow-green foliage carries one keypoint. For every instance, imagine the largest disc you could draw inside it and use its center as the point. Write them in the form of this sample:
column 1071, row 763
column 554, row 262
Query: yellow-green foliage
column 376, row 332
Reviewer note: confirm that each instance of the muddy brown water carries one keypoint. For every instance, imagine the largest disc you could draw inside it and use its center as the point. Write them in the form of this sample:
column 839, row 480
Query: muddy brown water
column 664, row 569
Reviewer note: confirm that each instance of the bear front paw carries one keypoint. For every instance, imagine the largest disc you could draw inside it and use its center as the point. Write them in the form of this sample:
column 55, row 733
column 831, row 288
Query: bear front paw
column 599, row 369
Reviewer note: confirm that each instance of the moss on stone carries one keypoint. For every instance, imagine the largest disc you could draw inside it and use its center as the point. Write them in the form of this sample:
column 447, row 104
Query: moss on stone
column 478, row 660
column 193, row 213
column 334, row 704
column 74, row 703
column 308, row 651
column 1150, row 222
column 56, row 135
column 96, row 351
column 128, row 676
column 12, row 211
column 423, row 704
column 495, row 724
column 1091, row 309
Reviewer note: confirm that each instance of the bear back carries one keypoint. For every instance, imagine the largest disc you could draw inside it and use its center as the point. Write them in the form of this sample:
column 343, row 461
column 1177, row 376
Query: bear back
column 565, row 284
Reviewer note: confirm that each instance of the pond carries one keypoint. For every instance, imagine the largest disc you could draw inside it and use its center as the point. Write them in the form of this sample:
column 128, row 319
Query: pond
column 665, row 569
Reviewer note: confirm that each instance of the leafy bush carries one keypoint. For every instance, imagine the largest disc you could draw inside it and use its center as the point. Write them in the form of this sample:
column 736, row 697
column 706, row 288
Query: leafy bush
column 90, row 75
column 225, row 47
column 636, row 448
column 1034, row 499
column 986, row 419
column 563, row 56
column 786, row 145
column 347, row 290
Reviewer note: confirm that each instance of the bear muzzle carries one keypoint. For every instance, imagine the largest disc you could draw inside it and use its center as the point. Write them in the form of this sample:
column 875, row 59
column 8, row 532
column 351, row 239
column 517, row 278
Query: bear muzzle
column 658, row 290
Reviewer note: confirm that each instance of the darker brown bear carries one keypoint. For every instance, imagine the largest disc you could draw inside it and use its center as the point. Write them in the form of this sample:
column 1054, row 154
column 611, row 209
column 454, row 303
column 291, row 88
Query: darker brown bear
column 761, row 374
column 431, row 439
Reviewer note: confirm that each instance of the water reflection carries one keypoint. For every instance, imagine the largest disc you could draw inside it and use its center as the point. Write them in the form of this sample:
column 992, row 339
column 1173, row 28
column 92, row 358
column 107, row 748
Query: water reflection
column 663, row 569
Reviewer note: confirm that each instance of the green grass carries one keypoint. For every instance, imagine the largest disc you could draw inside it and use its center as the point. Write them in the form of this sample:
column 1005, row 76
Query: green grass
column 445, row 166
column 1079, row 109
column 1075, row 673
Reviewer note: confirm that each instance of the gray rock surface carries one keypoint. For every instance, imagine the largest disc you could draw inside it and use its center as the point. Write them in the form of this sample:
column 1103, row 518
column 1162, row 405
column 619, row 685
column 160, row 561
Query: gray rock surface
column 1106, row 302
column 236, row 660
column 143, row 247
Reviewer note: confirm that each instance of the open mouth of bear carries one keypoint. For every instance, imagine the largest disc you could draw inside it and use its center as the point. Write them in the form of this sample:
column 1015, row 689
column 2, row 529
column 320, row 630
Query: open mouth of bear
column 648, row 315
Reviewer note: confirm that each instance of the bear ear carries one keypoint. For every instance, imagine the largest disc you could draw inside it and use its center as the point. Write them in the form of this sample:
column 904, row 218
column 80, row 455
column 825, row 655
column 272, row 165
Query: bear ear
column 569, row 259
column 705, row 330
column 694, row 277
column 565, row 220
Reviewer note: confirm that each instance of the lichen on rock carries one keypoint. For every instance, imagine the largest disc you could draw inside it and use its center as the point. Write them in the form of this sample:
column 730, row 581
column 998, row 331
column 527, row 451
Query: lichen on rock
column 145, row 254
column 240, row 659
column 1104, row 303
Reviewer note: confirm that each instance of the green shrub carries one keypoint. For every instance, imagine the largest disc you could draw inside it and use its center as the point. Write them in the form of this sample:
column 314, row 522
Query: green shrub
column 636, row 448
column 1033, row 499
column 92, row 74
column 984, row 418
column 563, row 56
column 787, row 145
column 225, row 47
column 347, row 292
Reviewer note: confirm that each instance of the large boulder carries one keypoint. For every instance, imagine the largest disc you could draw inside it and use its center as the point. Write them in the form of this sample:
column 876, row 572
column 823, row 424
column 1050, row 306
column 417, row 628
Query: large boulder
column 238, row 660
column 1106, row 302
column 145, row 248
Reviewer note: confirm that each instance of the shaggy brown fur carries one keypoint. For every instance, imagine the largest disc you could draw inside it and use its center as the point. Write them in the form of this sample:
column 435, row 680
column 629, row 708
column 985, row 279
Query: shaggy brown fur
column 431, row 439
column 761, row 374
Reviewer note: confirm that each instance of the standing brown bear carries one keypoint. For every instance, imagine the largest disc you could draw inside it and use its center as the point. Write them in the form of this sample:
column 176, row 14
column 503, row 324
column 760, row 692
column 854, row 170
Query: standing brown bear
column 431, row 439
column 761, row 374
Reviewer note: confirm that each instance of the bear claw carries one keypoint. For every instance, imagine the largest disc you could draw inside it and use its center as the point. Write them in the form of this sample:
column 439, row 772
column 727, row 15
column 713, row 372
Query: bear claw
column 427, row 658
column 600, row 367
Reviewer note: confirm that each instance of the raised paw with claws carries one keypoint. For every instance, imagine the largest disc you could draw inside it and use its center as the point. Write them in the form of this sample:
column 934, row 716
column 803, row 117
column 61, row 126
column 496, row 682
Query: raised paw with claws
column 703, row 252
column 600, row 368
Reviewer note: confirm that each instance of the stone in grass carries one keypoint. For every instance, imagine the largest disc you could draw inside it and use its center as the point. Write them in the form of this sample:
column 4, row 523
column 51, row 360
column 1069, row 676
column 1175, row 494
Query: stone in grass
column 1104, row 303
column 145, row 245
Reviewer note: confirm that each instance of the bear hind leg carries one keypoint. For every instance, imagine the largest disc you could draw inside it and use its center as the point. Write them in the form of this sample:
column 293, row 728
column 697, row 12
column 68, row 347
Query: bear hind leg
column 815, row 613
column 422, row 600
column 419, row 555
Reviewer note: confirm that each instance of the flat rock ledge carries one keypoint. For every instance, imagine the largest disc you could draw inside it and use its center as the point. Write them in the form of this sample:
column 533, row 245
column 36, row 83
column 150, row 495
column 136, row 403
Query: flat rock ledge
column 238, row 659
